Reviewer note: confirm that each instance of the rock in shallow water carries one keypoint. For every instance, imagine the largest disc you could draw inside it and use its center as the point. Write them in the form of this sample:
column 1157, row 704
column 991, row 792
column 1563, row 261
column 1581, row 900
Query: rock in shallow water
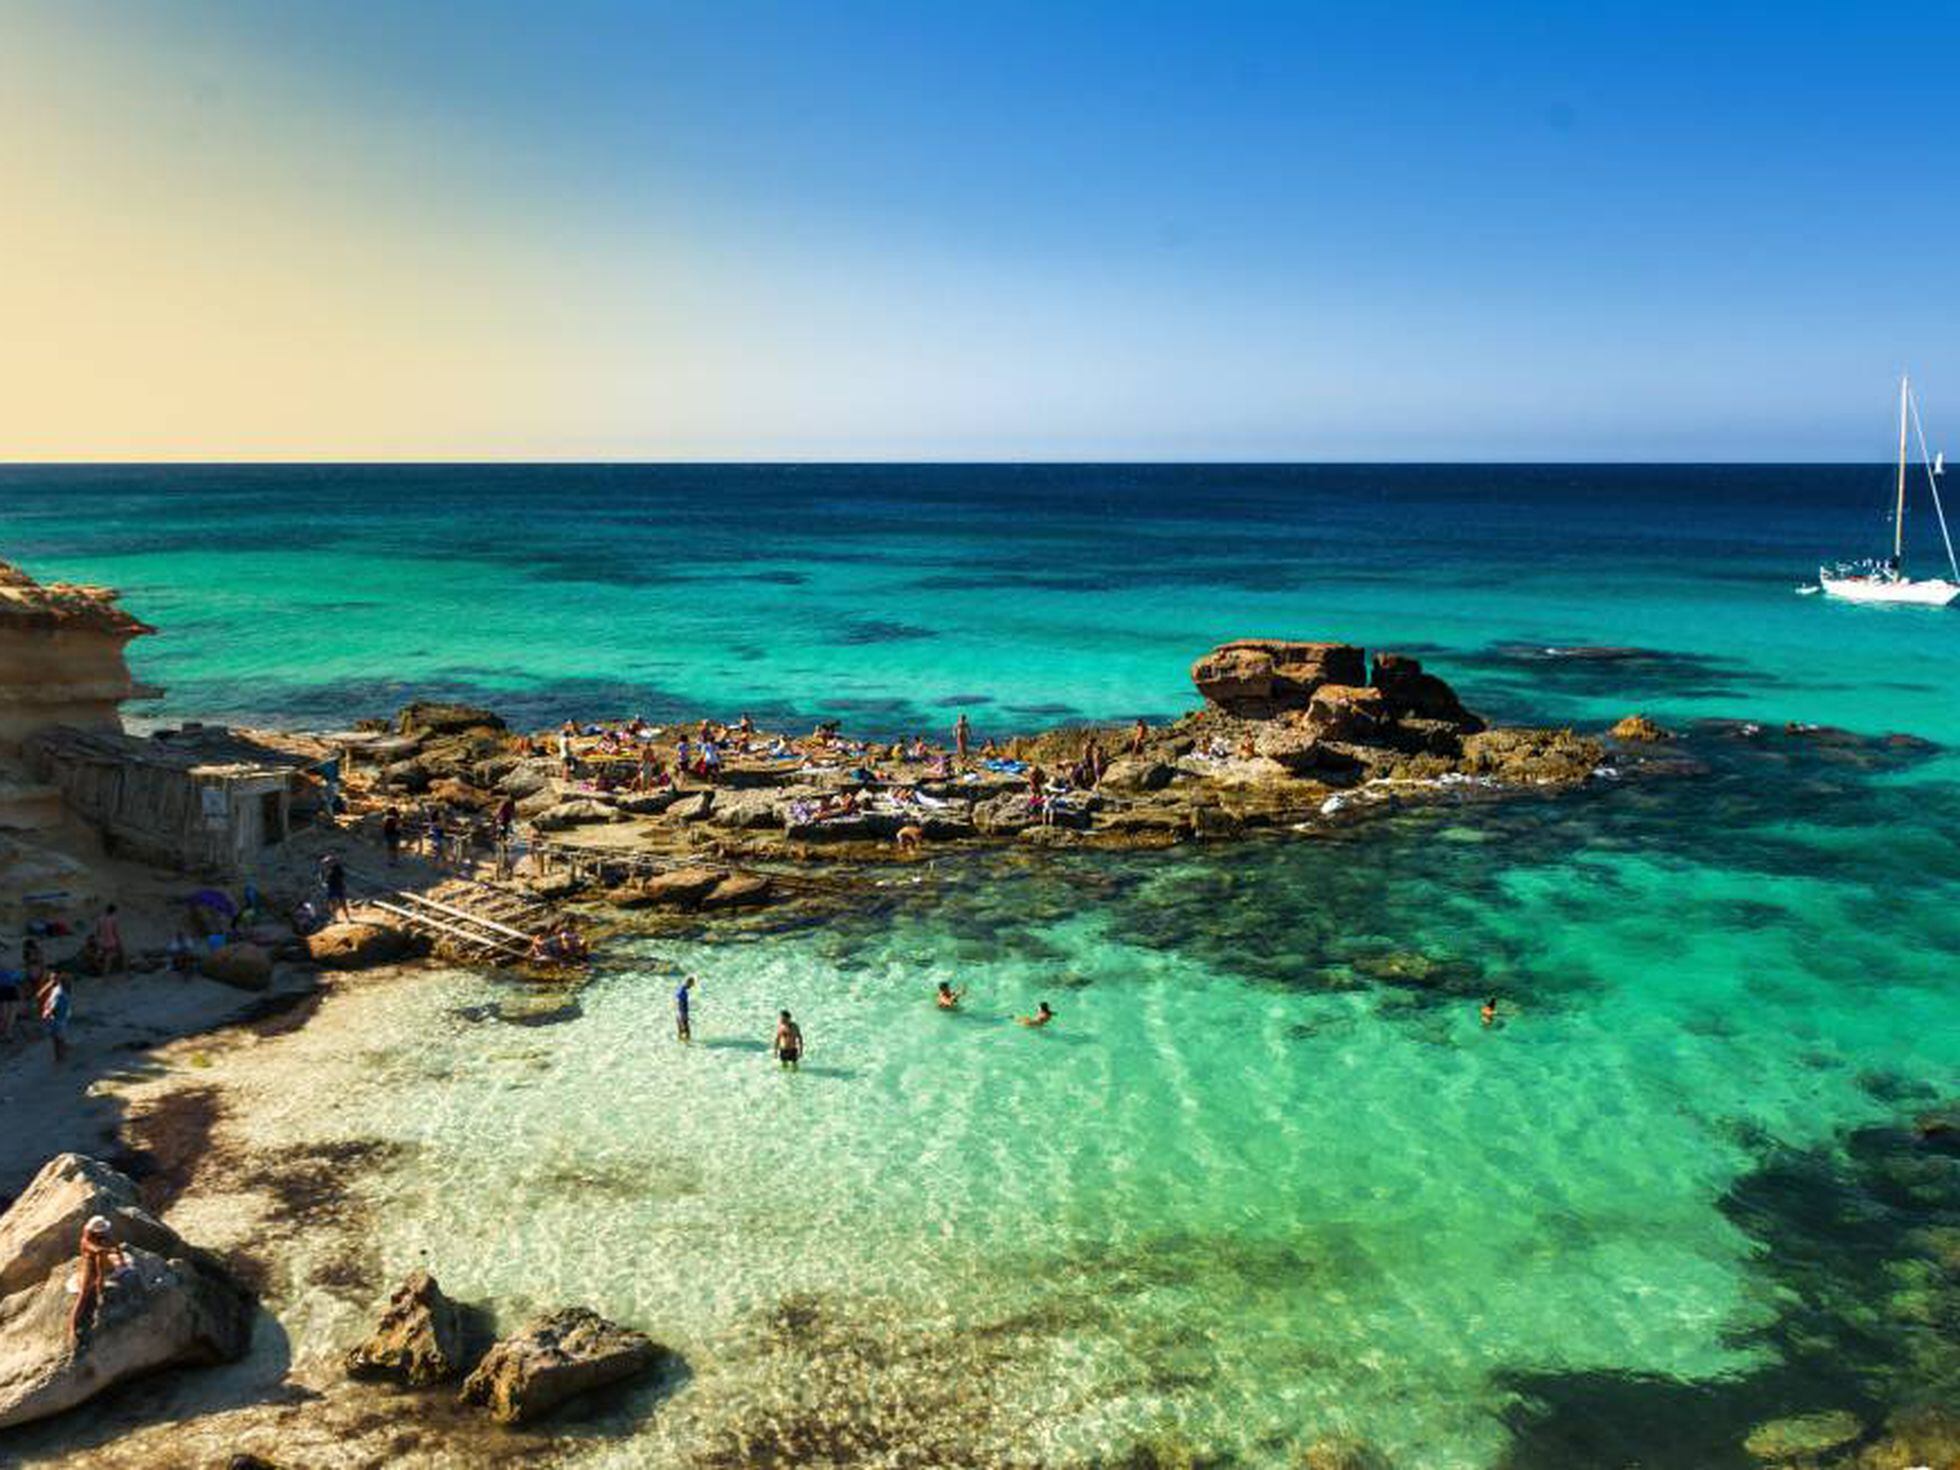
column 1803, row 1436
column 554, row 1358
column 419, row 1340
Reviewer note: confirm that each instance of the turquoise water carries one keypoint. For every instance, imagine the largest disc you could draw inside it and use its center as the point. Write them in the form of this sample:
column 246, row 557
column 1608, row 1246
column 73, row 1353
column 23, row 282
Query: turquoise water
column 1259, row 1186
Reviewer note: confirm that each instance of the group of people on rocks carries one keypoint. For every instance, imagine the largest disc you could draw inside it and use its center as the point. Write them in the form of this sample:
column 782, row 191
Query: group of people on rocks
column 44, row 985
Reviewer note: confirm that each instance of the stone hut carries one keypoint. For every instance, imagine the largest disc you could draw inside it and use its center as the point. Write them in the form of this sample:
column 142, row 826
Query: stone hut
column 201, row 799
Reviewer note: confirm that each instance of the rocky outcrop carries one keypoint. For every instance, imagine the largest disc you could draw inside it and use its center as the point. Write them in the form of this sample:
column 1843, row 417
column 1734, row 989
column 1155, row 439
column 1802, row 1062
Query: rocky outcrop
column 738, row 890
column 62, row 657
column 553, row 1359
column 358, row 946
column 1410, row 694
column 419, row 1340
column 683, row 888
column 1130, row 775
column 172, row 1306
column 1639, row 730
column 245, row 966
column 427, row 717
column 1343, row 712
column 578, row 812
column 1256, row 678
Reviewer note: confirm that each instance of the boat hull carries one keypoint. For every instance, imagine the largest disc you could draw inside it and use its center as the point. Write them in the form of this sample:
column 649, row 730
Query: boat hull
column 1932, row 592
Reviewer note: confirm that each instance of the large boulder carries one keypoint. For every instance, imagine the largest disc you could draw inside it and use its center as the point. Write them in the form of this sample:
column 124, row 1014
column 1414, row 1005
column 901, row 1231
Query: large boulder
column 433, row 718
column 419, row 1340
column 554, row 1358
column 747, row 809
column 1411, row 694
column 578, row 812
column 244, row 965
column 1256, row 678
column 42, row 1226
column 682, row 888
column 1128, row 775
column 528, row 778
column 1346, row 712
column 174, row 1305
column 738, row 890
column 358, row 946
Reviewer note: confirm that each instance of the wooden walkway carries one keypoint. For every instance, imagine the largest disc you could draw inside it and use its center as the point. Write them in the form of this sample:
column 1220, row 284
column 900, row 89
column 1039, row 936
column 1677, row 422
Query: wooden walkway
column 481, row 921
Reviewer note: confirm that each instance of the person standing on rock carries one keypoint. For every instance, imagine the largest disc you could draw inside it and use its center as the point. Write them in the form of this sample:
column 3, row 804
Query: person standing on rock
column 1139, row 733
column 391, row 834
column 788, row 1045
column 101, row 1260
column 681, row 997
column 962, row 735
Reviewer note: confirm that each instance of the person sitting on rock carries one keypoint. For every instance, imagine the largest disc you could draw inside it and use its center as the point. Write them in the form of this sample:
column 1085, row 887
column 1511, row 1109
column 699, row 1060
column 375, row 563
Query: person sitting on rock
column 102, row 1261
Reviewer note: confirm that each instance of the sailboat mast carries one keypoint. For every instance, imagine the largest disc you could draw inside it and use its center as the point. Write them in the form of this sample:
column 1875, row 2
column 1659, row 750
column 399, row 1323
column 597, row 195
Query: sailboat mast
column 1899, row 515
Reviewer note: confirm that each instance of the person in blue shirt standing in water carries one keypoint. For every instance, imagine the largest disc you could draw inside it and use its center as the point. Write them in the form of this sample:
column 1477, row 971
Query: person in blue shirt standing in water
column 681, row 998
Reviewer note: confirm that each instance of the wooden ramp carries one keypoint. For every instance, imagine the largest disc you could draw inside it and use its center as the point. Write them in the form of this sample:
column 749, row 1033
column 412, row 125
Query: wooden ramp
column 481, row 921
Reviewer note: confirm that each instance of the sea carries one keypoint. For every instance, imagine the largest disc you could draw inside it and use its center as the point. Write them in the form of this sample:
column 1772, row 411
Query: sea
column 1268, row 1190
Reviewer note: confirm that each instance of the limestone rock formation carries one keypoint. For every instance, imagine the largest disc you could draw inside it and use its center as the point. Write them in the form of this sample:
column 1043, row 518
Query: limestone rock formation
column 552, row 1359
column 1130, row 774
column 738, row 890
column 1411, row 694
column 419, row 1340
column 172, row 1306
column 1256, row 678
column 682, row 888
column 61, row 657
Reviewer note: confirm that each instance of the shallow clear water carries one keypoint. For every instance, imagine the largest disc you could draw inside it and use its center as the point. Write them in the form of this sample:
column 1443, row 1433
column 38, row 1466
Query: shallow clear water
column 1253, row 1189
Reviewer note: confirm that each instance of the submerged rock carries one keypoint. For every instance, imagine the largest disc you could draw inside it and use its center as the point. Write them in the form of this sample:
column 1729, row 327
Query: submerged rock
column 170, row 1306
column 419, row 1340
column 1341, row 1453
column 1803, row 1436
column 554, row 1358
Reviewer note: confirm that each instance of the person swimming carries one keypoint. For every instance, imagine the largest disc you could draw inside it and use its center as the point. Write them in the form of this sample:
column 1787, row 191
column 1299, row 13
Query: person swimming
column 948, row 999
column 788, row 1045
column 1489, row 1011
column 1041, row 1017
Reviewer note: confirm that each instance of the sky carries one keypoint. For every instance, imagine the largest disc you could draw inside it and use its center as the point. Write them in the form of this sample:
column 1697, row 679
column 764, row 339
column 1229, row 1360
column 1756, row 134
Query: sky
column 934, row 231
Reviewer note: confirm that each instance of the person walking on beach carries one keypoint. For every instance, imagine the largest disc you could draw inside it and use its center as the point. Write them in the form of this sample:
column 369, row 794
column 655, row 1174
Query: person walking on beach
column 54, row 1014
column 681, row 996
column 1041, row 1017
column 109, row 942
column 334, row 876
column 962, row 735
column 788, row 1045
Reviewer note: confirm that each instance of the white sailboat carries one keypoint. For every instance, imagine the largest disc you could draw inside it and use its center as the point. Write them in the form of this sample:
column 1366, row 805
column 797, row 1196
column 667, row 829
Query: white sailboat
column 1886, row 581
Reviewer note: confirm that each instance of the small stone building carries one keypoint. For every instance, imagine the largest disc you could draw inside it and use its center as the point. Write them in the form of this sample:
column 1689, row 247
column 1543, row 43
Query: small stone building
column 200, row 799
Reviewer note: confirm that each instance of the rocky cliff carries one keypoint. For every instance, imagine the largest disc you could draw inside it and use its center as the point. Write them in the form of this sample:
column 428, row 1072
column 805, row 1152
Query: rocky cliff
column 61, row 657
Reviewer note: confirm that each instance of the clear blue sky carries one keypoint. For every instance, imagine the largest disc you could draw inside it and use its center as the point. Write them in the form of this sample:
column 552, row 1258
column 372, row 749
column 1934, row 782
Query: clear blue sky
column 732, row 230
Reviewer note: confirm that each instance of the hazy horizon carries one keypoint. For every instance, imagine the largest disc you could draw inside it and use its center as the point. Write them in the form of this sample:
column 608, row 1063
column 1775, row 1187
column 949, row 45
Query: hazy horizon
column 771, row 233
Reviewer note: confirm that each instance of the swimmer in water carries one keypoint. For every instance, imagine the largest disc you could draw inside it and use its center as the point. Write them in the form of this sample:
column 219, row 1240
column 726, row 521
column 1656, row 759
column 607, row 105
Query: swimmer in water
column 789, row 1042
column 1489, row 1011
column 1041, row 1017
column 949, row 998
